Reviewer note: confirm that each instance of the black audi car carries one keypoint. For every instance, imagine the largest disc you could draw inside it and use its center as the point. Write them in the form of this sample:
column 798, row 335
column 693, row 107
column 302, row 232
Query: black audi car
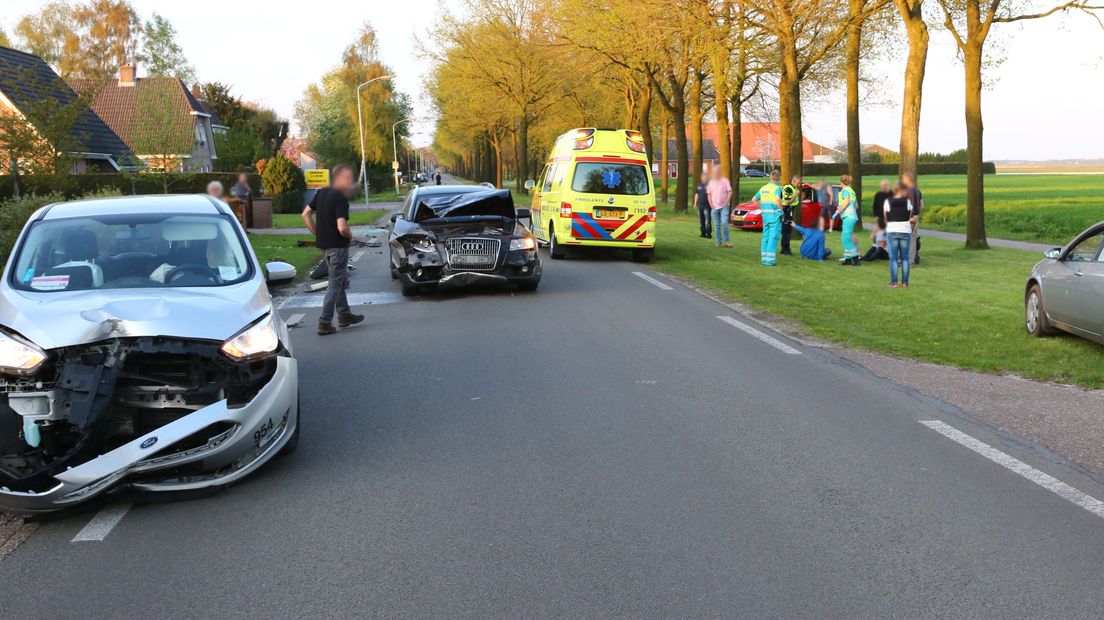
column 449, row 236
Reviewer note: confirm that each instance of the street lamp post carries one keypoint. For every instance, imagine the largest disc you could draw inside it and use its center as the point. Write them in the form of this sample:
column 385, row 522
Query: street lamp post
column 360, row 126
column 395, row 151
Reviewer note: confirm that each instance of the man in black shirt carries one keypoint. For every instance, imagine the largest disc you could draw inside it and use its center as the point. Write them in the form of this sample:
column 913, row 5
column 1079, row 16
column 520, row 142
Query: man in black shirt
column 701, row 201
column 885, row 192
column 327, row 217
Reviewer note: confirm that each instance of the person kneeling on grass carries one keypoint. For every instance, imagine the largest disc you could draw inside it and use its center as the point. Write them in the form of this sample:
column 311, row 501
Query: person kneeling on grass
column 878, row 237
column 812, row 242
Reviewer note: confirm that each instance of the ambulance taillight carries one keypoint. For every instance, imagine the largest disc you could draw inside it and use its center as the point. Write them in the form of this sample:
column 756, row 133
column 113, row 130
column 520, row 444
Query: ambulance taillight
column 651, row 214
column 565, row 209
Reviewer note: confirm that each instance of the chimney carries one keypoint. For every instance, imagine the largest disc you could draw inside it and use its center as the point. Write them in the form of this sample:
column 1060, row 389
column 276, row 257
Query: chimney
column 127, row 75
column 196, row 92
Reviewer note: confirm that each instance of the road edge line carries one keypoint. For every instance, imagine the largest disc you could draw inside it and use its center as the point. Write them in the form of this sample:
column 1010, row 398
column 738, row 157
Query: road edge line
column 764, row 337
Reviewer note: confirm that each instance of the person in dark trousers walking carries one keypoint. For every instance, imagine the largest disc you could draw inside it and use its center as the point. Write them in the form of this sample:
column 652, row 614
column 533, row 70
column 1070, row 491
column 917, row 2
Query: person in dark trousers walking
column 701, row 201
column 438, row 178
column 791, row 202
column 327, row 217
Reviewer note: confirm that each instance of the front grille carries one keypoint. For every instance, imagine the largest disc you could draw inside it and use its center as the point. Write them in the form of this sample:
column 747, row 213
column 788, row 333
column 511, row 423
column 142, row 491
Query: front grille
column 473, row 253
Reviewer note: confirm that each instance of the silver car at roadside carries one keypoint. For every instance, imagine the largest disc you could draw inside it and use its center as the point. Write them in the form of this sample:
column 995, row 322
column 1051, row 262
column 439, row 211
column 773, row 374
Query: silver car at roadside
column 1065, row 290
column 139, row 347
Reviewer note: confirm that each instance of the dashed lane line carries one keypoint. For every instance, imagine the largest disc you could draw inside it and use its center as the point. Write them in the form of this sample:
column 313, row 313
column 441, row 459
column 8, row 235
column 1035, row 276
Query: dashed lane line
column 649, row 279
column 751, row 331
column 102, row 524
column 359, row 255
column 1048, row 482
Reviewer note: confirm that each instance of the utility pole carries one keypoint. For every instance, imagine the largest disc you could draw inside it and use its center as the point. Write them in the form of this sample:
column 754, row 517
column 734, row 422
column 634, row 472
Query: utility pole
column 360, row 126
column 395, row 151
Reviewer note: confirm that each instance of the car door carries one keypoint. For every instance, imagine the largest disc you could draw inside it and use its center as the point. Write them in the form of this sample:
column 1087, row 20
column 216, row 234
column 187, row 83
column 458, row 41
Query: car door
column 537, row 206
column 1068, row 290
column 1088, row 299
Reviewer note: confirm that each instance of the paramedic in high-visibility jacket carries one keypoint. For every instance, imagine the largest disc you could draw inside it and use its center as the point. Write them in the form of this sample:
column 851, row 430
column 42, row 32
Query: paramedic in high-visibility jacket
column 848, row 212
column 791, row 203
column 769, row 200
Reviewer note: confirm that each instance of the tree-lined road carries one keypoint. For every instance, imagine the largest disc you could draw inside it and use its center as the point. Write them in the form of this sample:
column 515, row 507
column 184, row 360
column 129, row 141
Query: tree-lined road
column 612, row 445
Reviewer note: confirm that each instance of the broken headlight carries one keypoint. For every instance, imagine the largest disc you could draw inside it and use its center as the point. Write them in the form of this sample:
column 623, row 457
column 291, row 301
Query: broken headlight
column 422, row 244
column 257, row 340
column 18, row 356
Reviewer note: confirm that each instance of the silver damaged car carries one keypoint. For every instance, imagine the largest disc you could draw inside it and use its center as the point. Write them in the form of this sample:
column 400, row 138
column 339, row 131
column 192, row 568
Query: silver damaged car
column 139, row 347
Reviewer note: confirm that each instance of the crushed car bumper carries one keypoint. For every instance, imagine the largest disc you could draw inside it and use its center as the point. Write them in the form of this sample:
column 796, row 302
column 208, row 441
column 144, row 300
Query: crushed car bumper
column 254, row 432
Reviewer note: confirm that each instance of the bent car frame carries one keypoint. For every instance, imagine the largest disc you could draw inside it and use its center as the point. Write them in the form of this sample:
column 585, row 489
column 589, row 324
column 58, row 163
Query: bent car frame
column 139, row 347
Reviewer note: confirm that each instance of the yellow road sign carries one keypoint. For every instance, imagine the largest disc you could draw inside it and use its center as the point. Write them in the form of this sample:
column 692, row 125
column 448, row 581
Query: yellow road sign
column 317, row 179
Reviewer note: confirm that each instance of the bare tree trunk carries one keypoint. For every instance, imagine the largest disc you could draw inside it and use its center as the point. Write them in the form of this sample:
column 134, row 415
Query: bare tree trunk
column 523, row 149
column 975, row 180
column 519, row 182
column 496, row 144
column 789, row 112
column 854, row 137
column 645, row 123
column 697, row 157
column 737, row 147
column 724, row 145
column 664, row 165
column 915, row 68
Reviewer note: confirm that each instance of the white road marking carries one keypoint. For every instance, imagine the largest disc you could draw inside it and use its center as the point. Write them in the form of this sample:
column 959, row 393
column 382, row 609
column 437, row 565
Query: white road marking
column 649, row 279
column 355, row 299
column 358, row 255
column 1048, row 482
column 102, row 524
column 751, row 331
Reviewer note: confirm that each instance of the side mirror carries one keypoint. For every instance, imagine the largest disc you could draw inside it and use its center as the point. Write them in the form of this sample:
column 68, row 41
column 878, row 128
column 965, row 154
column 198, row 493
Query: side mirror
column 523, row 213
column 396, row 215
column 278, row 272
column 530, row 184
column 1053, row 253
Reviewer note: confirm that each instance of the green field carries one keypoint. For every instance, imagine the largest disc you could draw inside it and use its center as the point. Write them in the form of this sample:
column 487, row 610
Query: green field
column 283, row 248
column 964, row 307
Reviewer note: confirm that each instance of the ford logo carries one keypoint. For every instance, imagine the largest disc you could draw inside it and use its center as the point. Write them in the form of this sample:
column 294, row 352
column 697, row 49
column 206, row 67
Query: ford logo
column 470, row 246
column 148, row 443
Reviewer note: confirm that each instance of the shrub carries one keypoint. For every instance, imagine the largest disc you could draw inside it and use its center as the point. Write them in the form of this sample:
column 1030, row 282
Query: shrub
column 284, row 182
column 15, row 212
column 76, row 185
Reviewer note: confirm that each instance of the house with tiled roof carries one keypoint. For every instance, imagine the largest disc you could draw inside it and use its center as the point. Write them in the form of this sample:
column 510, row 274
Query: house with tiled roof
column 159, row 118
column 26, row 81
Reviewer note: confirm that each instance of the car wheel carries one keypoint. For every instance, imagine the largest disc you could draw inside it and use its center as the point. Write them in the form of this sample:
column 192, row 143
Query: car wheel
column 1035, row 313
column 643, row 256
column 293, row 442
column 554, row 249
column 529, row 286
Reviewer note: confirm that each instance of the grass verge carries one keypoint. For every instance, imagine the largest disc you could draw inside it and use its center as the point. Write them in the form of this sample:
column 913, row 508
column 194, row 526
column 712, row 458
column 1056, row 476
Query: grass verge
column 964, row 307
column 356, row 218
column 283, row 248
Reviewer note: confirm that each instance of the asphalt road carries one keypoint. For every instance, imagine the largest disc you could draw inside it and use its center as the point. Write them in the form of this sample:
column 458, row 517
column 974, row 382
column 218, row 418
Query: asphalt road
column 604, row 447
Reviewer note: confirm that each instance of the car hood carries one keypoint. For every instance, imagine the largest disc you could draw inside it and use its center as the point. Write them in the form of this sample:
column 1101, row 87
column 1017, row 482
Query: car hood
column 496, row 203
column 62, row 319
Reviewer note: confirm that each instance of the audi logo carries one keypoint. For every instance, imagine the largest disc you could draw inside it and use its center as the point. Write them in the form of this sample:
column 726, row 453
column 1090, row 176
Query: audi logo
column 471, row 246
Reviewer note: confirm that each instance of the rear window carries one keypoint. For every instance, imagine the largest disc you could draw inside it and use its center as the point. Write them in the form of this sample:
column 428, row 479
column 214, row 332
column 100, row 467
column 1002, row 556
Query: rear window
column 616, row 179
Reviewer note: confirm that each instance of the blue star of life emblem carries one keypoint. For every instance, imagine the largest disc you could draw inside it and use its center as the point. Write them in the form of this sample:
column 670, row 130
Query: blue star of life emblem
column 611, row 178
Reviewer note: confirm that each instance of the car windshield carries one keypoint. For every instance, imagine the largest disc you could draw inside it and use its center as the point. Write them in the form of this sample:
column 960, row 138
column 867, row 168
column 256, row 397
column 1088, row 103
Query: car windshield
column 611, row 178
column 130, row 251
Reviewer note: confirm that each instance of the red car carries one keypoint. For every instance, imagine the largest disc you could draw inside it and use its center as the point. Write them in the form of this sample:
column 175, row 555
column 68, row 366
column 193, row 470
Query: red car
column 748, row 217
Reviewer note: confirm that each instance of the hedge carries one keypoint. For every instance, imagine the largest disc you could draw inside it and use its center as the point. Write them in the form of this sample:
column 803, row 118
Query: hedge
column 74, row 185
column 890, row 170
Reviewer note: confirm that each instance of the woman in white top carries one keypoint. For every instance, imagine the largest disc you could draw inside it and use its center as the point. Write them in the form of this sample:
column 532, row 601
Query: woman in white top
column 898, row 219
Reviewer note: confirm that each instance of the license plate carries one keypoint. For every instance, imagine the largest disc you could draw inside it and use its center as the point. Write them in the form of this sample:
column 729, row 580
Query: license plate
column 609, row 214
column 737, row 218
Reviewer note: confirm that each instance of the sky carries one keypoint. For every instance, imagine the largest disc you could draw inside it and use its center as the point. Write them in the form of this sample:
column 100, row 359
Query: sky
column 1043, row 102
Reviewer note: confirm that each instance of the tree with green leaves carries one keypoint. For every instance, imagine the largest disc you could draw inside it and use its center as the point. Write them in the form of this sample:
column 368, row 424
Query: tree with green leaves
column 970, row 23
column 4, row 40
column 159, row 136
column 161, row 55
column 88, row 40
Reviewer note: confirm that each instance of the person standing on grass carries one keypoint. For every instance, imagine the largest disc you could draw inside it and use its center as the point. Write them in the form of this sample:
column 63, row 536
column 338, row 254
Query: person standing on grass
column 885, row 192
column 327, row 218
column 848, row 212
column 769, row 201
column 241, row 189
column 916, row 197
column 719, row 193
column 701, row 202
column 827, row 209
column 899, row 215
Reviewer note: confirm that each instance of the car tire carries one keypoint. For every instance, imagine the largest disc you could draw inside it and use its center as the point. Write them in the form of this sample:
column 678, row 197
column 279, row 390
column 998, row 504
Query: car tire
column 529, row 287
column 293, row 442
column 1035, row 320
column 643, row 256
column 554, row 249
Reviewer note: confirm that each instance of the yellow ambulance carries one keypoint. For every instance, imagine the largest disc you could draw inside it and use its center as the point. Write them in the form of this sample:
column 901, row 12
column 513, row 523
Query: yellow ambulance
column 596, row 191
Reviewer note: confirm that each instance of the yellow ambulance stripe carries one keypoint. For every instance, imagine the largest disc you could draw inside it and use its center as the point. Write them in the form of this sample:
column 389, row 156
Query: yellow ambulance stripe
column 627, row 225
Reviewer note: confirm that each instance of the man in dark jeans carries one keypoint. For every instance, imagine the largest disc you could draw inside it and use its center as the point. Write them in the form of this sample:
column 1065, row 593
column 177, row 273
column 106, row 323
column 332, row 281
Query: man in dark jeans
column 701, row 201
column 327, row 217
